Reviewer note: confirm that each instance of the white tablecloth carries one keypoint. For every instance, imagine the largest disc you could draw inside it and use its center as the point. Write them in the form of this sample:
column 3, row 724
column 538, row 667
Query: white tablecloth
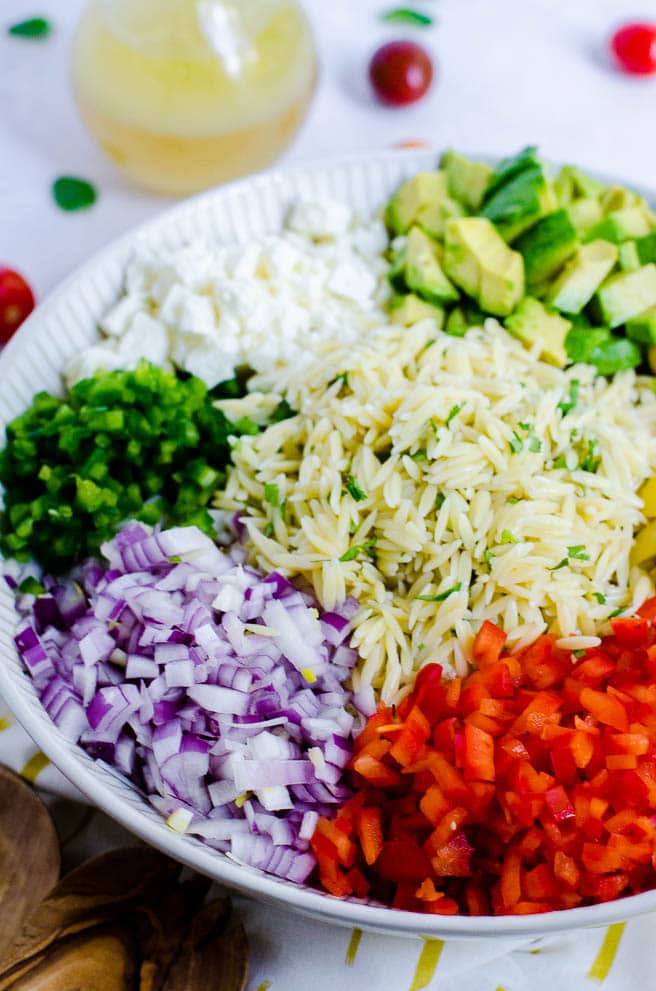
column 508, row 73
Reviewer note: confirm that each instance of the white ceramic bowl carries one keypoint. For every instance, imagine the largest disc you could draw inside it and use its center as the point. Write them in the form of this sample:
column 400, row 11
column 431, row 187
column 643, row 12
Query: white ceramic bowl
column 32, row 361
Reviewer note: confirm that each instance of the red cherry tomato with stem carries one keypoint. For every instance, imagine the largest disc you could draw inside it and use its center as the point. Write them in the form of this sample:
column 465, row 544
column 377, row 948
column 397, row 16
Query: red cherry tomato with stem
column 400, row 72
column 16, row 302
column 634, row 48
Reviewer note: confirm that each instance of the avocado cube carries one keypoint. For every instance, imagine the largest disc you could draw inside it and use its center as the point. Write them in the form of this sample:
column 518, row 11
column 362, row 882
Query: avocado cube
column 433, row 216
column 620, row 225
column 423, row 189
column 546, row 247
column 478, row 260
column 423, row 272
column 582, row 276
column 462, row 318
column 627, row 256
column 466, row 180
column 518, row 195
column 627, row 295
column 396, row 272
column 585, row 213
column 581, row 341
column 618, row 198
column 410, row 309
column 642, row 328
column 646, row 248
column 572, row 184
column 533, row 323
column 614, row 355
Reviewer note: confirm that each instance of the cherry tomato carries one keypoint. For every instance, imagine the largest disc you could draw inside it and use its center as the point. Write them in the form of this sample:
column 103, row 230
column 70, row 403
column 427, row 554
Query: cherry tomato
column 16, row 302
column 400, row 72
column 634, row 47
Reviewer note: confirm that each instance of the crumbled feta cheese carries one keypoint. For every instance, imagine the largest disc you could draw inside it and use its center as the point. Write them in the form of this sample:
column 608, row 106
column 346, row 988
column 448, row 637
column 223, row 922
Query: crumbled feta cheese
column 209, row 309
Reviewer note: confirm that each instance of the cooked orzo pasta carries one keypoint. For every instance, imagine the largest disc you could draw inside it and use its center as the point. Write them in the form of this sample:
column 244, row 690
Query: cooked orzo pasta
column 442, row 481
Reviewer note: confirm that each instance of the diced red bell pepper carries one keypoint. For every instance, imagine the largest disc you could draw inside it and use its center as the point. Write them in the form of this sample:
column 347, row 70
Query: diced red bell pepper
column 631, row 631
column 370, row 833
column 605, row 709
column 454, row 858
column 488, row 644
column 402, row 860
column 478, row 754
column 409, row 743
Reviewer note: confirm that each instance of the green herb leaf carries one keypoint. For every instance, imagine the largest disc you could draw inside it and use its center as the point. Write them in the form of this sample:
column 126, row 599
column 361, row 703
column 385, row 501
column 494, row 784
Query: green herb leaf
column 342, row 378
column 441, row 596
column 578, row 654
column 578, row 552
column 616, row 612
column 591, row 460
column 71, row 193
column 512, row 500
column 601, row 599
column 268, row 530
column 526, row 427
column 272, row 494
column 283, row 411
column 432, row 424
column 561, row 564
column 487, row 557
column 560, row 462
column 508, row 538
column 534, row 444
column 354, row 489
column 440, row 499
column 368, row 547
column 452, row 413
column 515, row 443
column 566, row 405
column 404, row 15
column 419, row 455
column 35, row 27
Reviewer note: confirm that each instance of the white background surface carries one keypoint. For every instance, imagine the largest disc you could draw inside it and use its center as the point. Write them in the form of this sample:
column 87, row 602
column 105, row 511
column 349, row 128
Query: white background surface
column 508, row 73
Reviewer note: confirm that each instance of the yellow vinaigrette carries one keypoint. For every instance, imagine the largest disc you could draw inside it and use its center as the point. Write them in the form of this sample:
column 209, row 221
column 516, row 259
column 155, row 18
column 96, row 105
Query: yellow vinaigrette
column 184, row 94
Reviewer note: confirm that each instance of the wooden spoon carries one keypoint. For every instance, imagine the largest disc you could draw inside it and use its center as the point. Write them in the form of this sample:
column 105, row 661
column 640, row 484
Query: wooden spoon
column 29, row 854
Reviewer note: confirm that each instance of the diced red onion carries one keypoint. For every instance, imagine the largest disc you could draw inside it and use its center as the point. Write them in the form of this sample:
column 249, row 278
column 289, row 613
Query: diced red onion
column 155, row 664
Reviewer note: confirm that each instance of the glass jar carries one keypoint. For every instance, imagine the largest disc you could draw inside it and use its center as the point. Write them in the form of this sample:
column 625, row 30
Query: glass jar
column 185, row 94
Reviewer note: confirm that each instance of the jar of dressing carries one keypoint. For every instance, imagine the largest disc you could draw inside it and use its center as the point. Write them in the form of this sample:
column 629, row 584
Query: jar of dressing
column 185, row 94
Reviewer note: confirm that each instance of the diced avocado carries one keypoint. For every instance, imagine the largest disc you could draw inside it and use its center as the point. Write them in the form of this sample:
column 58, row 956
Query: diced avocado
column 643, row 327
column 572, row 184
column 546, row 247
column 466, row 180
column 532, row 323
column 462, row 318
column 518, row 195
column 614, row 355
column 628, row 256
column 396, row 273
column 585, row 213
column 627, row 295
column 478, row 260
column 620, row 225
column 651, row 359
column 410, row 309
column 582, row 341
column 423, row 189
column 648, row 495
column 618, row 198
column 433, row 216
column 423, row 271
column 646, row 248
column 422, row 200
column 582, row 276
